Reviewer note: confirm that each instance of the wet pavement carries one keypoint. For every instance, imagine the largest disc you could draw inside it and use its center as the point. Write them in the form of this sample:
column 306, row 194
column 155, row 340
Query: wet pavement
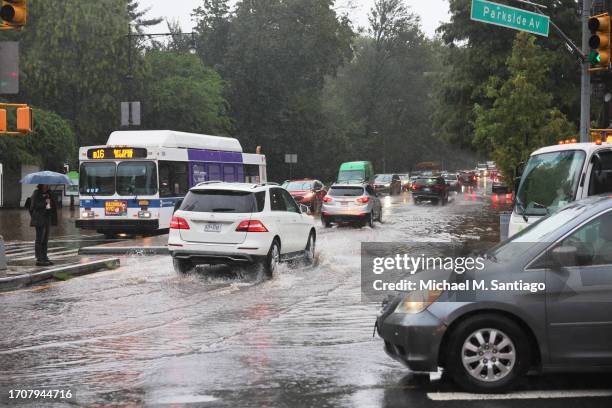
column 142, row 335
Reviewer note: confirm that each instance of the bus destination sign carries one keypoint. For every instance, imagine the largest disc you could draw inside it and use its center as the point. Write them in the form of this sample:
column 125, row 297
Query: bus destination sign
column 117, row 153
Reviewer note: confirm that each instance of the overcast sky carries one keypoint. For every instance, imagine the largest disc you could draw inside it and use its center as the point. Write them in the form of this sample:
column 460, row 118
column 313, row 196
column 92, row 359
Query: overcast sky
column 432, row 12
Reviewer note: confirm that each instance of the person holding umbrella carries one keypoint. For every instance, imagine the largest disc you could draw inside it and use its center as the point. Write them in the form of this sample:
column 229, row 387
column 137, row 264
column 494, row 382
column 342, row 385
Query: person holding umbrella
column 44, row 214
column 43, row 210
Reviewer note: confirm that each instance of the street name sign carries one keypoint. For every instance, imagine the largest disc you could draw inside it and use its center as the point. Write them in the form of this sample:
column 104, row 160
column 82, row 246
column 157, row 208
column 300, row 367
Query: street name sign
column 510, row 17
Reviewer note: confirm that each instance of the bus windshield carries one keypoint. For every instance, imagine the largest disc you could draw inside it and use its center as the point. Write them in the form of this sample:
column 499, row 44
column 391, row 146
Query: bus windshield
column 97, row 179
column 136, row 178
column 549, row 182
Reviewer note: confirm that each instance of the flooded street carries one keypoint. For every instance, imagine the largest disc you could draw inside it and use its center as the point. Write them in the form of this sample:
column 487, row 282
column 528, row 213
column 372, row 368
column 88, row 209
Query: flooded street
column 142, row 335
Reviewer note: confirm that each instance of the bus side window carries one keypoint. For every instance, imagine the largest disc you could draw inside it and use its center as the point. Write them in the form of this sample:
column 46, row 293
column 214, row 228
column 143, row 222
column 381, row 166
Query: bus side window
column 601, row 174
column 214, row 172
column 173, row 179
column 228, row 173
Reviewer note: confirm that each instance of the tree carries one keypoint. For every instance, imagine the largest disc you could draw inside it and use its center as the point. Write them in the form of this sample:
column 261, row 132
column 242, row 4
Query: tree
column 521, row 117
column 183, row 94
column 475, row 51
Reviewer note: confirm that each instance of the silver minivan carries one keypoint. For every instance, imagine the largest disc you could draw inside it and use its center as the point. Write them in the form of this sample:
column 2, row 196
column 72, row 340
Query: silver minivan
column 487, row 339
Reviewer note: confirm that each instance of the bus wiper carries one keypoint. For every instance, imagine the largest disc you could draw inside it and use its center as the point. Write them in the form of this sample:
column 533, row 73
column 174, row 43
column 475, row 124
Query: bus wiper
column 223, row 209
column 521, row 207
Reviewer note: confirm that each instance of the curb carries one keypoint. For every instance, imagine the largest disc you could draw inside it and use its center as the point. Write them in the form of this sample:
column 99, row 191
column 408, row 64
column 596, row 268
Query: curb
column 101, row 250
column 18, row 281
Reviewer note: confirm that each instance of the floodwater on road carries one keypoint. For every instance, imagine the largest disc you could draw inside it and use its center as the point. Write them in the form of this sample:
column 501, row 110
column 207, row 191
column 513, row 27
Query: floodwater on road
column 144, row 335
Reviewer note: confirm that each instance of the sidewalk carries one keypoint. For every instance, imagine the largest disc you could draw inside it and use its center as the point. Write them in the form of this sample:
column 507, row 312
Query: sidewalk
column 156, row 245
column 18, row 276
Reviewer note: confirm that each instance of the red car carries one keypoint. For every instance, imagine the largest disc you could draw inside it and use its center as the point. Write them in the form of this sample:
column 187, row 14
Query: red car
column 308, row 192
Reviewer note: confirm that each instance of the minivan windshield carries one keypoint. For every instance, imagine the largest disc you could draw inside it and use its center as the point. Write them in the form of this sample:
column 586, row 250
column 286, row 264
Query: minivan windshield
column 223, row 201
column 299, row 185
column 549, row 182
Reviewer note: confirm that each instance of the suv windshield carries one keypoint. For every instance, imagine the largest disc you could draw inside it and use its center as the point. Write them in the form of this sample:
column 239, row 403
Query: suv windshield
column 223, row 201
column 345, row 191
column 97, row 178
column 136, row 178
column 299, row 185
column 549, row 182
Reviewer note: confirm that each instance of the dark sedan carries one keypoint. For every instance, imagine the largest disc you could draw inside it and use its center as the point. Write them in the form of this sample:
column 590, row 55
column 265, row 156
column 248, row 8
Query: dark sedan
column 551, row 314
column 388, row 183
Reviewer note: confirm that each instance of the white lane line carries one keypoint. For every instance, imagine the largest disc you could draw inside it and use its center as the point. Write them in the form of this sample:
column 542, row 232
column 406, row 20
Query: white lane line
column 19, row 250
column 519, row 395
column 25, row 251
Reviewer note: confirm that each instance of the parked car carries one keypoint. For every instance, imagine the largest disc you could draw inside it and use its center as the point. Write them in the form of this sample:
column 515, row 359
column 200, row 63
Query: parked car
column 452, row 179
column 308, row 192
column 388, row 183
column 354, row 203
column 432, row 189
column 236, row 223
column 405, row 179
column 488, row 339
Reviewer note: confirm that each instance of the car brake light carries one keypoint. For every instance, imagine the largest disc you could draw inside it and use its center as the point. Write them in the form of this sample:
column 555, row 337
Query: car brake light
column 363, row 200
column 414, row 187
column 327, row 199
column 179, row 223
column 251, row 226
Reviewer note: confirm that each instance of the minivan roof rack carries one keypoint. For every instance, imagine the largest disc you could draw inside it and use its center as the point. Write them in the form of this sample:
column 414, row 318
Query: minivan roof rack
column 208, row 182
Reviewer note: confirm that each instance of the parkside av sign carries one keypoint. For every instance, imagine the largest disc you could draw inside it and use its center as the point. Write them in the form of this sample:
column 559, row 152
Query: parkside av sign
column 510, row 17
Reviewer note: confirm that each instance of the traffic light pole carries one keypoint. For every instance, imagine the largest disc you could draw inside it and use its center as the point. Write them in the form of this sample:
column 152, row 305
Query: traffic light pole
column 585, row 88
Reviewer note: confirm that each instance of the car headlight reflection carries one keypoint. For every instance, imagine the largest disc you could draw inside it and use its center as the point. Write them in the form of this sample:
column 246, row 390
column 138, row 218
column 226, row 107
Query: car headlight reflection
column 417, row 301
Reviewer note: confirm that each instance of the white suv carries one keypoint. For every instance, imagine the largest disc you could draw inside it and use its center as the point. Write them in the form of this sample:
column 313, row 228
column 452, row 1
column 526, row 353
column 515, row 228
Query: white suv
column 236, row 223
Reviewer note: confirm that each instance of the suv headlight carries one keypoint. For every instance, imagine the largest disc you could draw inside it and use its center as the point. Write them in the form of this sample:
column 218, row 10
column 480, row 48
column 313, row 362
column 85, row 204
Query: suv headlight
column 417, row 301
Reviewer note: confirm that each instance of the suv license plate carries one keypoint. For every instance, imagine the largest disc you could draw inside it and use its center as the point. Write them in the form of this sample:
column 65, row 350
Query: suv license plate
column 210, row 227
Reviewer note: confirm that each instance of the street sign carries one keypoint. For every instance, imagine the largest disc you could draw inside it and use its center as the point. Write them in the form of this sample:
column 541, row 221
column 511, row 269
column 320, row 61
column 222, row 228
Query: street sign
column 510, row 17
column 291, row 158
column 9, row 67
column 130, row 113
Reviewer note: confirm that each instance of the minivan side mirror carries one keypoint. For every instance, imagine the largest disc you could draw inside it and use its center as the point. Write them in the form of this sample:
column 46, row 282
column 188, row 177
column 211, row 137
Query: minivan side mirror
column 563, row 256
column 177, row 204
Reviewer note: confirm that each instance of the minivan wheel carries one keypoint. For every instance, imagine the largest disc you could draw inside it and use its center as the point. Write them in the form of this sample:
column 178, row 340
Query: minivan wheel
column 488, row 353
column 272, row 259
column 182, row 266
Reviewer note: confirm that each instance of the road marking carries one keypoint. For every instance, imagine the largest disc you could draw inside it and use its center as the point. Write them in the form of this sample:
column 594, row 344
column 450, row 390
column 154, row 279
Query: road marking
column 50, row 253
column 519, row 395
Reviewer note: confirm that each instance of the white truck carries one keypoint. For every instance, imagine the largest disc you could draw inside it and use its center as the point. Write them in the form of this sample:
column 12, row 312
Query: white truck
column 556, row 175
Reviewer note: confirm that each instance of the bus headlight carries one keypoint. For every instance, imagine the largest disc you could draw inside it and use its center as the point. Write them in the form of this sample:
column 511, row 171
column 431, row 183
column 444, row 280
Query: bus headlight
column 88, row 213
column 144, row 214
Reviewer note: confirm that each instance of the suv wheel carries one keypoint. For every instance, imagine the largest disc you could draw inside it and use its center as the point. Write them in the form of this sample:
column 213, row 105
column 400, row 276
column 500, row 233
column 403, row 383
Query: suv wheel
column 182, row 266
column 370, row 220
column 309, row 252
column 488, row 353
column 272, row 259
column 326, row 222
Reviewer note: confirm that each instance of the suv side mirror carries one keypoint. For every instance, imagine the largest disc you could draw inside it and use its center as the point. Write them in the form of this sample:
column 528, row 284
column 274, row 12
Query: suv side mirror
column 563, row 256
column 177, row 204
column 305, row 209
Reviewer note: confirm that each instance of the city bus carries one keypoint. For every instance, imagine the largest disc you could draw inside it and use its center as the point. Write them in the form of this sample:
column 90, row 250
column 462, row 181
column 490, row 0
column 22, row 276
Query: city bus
column 557, row 175
column 131, row 184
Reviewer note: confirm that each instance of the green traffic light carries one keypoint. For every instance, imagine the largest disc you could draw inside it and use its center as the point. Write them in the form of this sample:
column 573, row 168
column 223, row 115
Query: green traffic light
column 594, row 57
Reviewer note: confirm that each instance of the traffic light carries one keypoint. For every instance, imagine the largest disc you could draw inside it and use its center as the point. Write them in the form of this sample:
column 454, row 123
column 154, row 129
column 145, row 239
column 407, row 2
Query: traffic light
column 24, row 119
column 599, row 57
column 2, row 120
column 13, row 14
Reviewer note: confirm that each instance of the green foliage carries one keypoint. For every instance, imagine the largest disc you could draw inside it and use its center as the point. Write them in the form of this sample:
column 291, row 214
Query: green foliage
column 51, row 144
column 519, row 116
column 183, row 94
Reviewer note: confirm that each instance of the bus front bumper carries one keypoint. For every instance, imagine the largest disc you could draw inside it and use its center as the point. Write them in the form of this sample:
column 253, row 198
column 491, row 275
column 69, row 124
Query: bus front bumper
column 118, row 225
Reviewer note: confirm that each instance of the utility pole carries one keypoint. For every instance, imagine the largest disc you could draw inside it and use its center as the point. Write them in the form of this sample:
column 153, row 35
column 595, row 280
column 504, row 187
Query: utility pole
column 585, row 89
